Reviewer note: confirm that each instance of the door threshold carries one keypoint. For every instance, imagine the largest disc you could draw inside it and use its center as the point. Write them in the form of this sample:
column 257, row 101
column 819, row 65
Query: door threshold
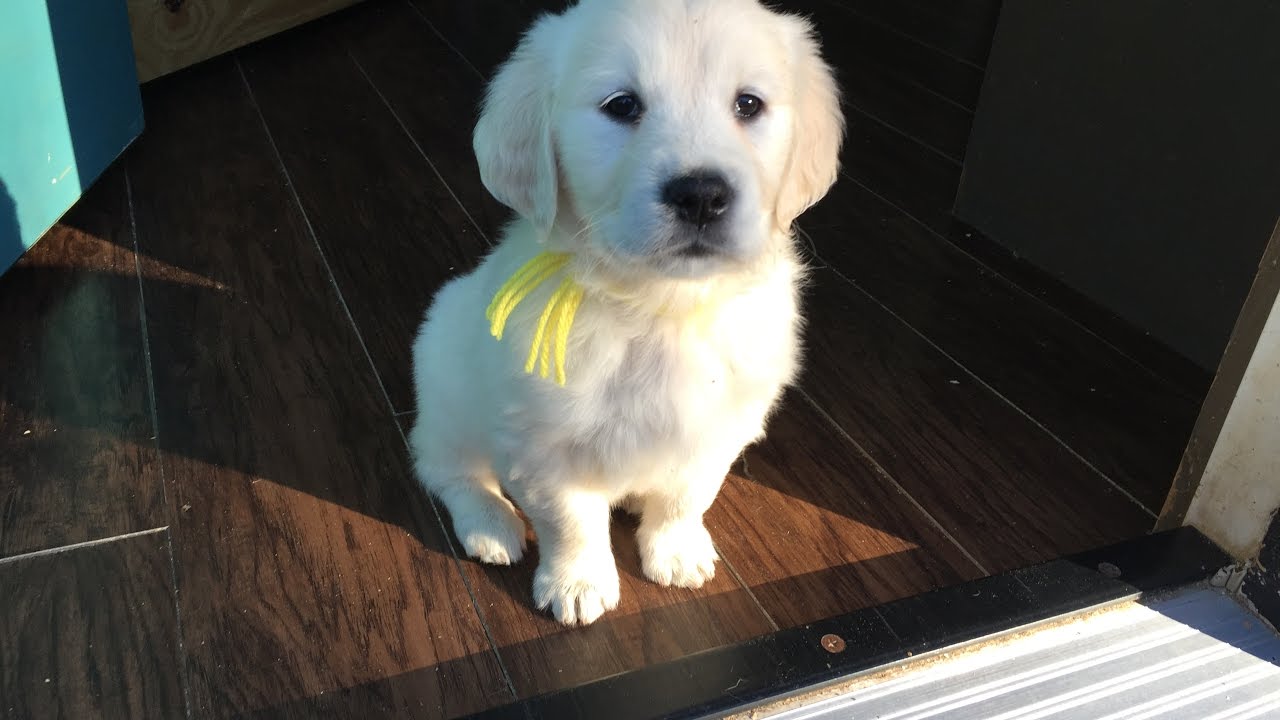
column 802, row 660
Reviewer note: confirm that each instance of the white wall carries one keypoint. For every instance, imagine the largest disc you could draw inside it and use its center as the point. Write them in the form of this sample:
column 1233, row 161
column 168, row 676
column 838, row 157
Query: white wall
column 1240, row 488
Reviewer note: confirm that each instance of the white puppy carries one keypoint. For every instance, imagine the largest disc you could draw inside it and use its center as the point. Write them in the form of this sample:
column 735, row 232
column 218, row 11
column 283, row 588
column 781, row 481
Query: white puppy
column 659, row 150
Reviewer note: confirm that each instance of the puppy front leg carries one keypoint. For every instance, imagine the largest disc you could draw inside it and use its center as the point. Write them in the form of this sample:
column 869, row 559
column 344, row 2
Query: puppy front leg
column 675, row 547
column 577, row 577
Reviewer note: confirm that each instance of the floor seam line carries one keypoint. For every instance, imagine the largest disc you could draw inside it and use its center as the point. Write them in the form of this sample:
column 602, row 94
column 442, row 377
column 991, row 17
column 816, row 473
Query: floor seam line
column 46, row 552
column 386, row 397
column 183, row 679
column 311, row 231
column 444, row 39
column 466, row 582
column 1001, row 396
column 885, row 475
column 1019, row 289
column 418, row 146
column 857, row 108
column 913, row 39
column 750, row 593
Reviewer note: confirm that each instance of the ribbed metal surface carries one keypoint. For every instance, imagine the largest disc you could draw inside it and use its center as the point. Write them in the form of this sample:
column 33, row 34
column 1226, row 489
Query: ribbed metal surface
column 1197, row 656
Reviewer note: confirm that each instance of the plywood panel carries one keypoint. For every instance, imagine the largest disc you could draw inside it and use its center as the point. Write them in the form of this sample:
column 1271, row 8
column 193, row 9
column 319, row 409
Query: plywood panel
column 169, row 35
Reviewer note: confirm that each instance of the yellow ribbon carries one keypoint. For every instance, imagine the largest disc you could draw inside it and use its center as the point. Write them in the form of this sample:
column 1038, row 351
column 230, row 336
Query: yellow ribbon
column 551, row 339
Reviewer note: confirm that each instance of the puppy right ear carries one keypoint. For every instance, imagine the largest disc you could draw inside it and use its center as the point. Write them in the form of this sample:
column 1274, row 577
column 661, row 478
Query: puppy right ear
column 513, row 140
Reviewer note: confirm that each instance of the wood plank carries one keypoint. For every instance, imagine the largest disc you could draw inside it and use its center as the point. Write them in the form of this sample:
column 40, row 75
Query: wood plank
column 926, row 67
column 391, row 43
column 816, row 530
column 1123, row 419
column 309, row 564
column 390, row 226
column 484, row 31
column 90, row 633
column 652, row 624
column 902, row 171
column 77, row 459
column 874, row 86
column 169, row 35
column 961, row 30
column 1009, row 493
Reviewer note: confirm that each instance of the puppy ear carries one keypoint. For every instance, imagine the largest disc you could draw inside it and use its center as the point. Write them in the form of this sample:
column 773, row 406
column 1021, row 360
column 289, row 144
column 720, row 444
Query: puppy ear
column 818, row 130
column 512, row 140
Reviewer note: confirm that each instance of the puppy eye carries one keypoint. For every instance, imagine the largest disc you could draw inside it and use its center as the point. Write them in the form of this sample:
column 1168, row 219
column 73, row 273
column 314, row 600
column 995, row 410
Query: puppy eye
column 623, row 107
column 747, row 106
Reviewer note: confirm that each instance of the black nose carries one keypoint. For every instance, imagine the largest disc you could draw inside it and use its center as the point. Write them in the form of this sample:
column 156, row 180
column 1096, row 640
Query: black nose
column 700, row 197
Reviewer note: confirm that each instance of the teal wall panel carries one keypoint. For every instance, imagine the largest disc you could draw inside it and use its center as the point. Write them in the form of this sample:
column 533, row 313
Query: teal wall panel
column 69, row 104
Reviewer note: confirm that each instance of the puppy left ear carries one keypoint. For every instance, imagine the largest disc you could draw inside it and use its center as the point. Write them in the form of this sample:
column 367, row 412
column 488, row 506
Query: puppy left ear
column 513, row 141
column 818, row 130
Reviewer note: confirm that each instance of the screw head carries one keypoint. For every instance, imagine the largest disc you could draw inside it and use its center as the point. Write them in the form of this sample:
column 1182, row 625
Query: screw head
column 832, row 643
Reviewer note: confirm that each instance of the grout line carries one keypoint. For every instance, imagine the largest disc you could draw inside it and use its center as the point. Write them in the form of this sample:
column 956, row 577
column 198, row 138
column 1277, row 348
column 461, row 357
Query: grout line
column 466, row 581
column 983, row 383
column 1160, row 379
column 444, row 39
column 418, row 147
column 80, row 545
column 884, row 475
column 311, row 231
column 183, row 679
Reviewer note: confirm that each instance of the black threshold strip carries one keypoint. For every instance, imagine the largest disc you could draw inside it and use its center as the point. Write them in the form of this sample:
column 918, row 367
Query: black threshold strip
column 803, row 659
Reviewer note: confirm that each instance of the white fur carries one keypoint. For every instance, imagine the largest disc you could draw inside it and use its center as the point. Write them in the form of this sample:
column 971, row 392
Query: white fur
column 674, row 362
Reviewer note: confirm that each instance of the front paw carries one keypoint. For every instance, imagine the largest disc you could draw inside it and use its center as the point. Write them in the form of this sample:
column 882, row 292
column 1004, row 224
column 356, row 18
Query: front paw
column 679, row 555
column 577, row 591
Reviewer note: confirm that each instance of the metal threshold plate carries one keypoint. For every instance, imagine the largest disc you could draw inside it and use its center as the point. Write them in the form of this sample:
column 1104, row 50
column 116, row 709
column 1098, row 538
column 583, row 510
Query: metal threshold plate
column 1196, row 655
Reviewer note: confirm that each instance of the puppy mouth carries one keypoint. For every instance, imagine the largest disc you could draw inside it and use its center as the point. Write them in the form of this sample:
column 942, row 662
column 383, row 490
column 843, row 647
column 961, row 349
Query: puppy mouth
column 702, row 243
column 698, row 248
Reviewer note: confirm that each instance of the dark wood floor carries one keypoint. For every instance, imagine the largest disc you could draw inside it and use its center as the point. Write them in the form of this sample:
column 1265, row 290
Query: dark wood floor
column 206, row 508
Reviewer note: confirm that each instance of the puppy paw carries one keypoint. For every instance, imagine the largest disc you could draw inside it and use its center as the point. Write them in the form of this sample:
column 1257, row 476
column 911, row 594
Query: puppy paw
column 577, row 592
column 491, row 532
column 680, row 556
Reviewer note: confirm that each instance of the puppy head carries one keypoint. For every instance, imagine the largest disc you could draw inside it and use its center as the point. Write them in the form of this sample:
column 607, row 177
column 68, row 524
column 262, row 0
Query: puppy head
column 662, row 136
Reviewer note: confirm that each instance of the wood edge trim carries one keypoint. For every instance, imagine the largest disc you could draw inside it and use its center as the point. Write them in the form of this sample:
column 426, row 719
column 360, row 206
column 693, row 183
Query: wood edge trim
column 1258, row 305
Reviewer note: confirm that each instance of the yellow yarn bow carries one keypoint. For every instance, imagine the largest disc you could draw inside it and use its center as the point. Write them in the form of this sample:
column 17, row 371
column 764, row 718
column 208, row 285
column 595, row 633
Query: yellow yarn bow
column 551, row 339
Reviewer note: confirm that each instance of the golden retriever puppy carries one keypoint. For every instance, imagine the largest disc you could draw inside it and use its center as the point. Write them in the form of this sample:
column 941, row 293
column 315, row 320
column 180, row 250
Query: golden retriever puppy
column 638, row 321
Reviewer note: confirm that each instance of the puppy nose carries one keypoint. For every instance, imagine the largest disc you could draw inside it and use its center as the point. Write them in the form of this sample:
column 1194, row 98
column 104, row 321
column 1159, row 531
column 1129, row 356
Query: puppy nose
column 700, row 197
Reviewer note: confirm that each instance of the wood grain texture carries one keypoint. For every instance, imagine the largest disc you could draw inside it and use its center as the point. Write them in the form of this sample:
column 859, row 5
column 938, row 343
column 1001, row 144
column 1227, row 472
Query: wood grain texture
column 391, row 43
column 91, row 633
column 1120, row 417
column 816, row 530
column 652, row 624
column 77, row 459
column 310, row 567
column 1008, row 492
column 390, row 226
column 169, row 35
